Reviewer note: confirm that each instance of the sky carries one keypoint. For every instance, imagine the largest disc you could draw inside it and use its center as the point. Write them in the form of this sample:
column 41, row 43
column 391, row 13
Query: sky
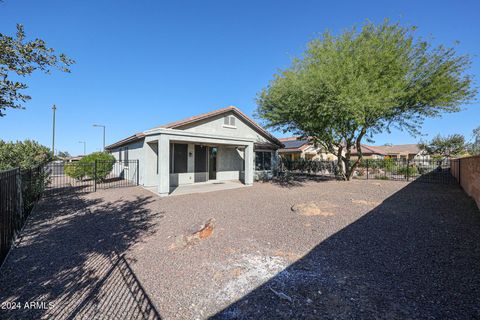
column 140, row 64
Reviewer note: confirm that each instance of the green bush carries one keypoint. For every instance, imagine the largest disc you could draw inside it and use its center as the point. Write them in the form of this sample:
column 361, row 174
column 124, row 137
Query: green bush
column 75, row 170
column 24, row 154
column 96, row 166
column 408, row 171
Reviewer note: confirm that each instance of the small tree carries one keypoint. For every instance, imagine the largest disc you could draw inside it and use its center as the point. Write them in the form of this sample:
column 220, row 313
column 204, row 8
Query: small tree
column 349, row 87
column 443, row 147
column 474, row 147
column 63, row 154
column 22, row 58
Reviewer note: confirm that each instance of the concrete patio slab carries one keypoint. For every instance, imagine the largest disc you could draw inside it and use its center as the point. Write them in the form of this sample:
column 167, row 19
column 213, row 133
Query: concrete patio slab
column 201, row 187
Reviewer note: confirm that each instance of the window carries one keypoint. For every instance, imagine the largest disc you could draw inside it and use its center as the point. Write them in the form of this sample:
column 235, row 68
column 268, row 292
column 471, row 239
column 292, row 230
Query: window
column 178, row 157
column 125, row 156
column 120, row 154
column 263, row 160
column 229, row 121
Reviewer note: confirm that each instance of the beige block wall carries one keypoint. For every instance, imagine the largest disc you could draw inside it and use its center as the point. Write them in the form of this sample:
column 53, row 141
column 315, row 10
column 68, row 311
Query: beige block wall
column 467, row 171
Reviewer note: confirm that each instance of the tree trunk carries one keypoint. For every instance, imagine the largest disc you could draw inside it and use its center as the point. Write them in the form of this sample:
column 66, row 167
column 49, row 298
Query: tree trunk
column 340, row 163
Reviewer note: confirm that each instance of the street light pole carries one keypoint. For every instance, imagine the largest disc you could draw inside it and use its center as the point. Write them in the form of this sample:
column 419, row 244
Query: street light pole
column 84, row 147
column 54, row 108
column 102, row 126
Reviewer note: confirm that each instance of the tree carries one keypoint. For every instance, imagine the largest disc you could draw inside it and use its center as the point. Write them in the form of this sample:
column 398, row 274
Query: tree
column 349, row 87
column 474, row 146
column 26, row 154
column 63, row 154
column 22, row 58
column 442, row 147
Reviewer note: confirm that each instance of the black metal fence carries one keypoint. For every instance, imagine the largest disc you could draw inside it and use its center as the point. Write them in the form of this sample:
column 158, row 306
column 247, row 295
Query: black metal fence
column 423, row 170
column 89, row 177
column 19, row 191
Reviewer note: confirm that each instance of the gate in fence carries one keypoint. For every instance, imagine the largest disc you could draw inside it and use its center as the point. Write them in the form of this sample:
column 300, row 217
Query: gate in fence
column 422, row 170
column 90, row 177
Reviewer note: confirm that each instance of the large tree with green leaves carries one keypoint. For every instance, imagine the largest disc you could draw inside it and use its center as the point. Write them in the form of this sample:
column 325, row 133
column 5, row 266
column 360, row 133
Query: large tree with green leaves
column 346, row 88
column 20, row 58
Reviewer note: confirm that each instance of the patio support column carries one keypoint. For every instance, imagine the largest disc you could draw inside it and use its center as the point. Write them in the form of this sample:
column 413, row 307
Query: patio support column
column 249, row 164
column 163, row 165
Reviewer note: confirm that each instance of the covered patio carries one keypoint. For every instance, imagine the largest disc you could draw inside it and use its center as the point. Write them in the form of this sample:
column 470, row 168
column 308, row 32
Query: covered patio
column 195, row 161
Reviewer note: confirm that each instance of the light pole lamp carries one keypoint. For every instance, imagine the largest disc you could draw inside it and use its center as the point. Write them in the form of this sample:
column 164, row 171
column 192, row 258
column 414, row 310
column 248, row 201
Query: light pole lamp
column 101, row 126
column 84, row 147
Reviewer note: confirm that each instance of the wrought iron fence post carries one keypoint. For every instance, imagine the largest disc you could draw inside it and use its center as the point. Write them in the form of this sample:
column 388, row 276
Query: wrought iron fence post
column 138, row 172
column 95, row 176
column 366, row 161
column 408, row 168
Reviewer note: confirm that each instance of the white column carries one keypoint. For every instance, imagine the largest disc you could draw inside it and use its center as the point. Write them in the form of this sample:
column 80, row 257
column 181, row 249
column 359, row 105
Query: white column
column 249, row 165
column 163, row 165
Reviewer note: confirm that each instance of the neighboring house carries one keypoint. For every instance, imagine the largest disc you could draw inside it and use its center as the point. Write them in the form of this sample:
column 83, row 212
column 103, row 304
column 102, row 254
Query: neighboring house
column 399, row 151
column 296, row 148
column 221, row 145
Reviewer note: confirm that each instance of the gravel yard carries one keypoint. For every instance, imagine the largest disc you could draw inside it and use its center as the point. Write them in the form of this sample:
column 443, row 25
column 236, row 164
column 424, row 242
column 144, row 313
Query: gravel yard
column 363, row 249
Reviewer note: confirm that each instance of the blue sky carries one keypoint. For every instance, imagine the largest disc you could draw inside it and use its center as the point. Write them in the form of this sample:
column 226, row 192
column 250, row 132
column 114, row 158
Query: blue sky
column 144, row 63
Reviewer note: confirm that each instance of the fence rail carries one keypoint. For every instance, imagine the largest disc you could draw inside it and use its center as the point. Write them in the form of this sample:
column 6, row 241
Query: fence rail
column 21, row 189
column 424, row 170
column 88, row 177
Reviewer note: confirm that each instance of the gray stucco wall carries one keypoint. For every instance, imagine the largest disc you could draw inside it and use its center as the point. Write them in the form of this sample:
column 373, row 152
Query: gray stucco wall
column 215, row 125
column 135, row 152
column 230, row 164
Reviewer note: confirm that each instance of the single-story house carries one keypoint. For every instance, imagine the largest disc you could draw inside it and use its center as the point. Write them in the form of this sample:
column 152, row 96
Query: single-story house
column 296, row 148
column 394, row 151
column 217, row 146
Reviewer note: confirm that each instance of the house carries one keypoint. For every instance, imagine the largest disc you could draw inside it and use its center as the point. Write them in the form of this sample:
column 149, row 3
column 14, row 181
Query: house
column 217, row 146
column 296, row 148
column 368, row 152
column 399, row 151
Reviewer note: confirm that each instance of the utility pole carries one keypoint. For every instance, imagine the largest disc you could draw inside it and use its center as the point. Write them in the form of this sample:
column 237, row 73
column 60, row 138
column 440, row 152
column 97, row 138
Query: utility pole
column 84, row 147
column 102, row 126
column 54, row 108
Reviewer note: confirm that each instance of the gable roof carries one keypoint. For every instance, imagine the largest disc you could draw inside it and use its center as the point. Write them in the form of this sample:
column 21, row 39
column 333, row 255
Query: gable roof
column 400, row 149
column 368, row 150
column 389, row 149
column 203, row 116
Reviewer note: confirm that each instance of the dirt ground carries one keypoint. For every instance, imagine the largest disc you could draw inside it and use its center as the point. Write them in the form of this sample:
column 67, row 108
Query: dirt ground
column 327, row 249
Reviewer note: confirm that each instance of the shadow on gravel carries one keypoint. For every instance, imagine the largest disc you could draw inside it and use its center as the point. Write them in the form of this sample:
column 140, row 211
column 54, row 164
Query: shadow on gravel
column 416, row 255
column 71, row 255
